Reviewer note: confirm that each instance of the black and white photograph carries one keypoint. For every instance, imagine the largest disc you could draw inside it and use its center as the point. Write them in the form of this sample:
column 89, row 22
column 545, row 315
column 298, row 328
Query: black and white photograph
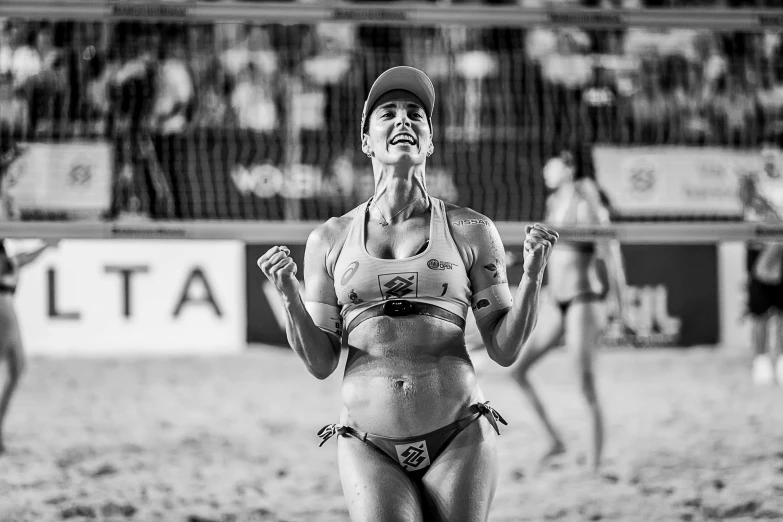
column 412, row 261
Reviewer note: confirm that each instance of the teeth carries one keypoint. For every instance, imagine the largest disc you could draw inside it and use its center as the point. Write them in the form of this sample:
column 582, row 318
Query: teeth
column 406, row 139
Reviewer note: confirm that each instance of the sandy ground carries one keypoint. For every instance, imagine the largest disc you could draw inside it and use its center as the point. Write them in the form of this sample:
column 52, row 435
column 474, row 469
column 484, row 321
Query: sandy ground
column 234, row 439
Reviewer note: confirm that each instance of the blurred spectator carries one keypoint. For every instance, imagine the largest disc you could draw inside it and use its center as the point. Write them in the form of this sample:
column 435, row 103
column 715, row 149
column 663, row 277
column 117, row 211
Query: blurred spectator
column 14, row 109
column 253, row 101
column 142, row 187
column 568, row 63
column 43, row 78
column 211, row 81
column 253, row 66
column 247, row 45
column 175, row 91
column 761, row 195
column 32, row 74
column 142, row 82
column 734, row 110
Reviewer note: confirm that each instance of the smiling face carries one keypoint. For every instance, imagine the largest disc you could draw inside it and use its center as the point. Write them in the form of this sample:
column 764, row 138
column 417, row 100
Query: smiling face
column 398, row 130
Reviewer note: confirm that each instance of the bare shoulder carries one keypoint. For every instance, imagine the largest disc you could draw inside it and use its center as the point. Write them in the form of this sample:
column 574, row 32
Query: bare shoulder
column 473, row 232
column 327, row 239
column 591, row 210
column 331, row 231
column 588, row 189
column 467, row 224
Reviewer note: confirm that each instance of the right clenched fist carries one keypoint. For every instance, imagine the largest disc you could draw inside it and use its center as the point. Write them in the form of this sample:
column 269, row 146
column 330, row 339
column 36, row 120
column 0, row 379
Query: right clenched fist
column 280, row 269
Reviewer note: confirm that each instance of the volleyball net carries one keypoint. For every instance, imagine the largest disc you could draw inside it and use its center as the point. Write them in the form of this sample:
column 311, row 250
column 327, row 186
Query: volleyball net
column 240, row 121
column 210, row 119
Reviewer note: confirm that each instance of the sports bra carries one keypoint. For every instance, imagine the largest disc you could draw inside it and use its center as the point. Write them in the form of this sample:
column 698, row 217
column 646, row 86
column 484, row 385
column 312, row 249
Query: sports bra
column 433, row 282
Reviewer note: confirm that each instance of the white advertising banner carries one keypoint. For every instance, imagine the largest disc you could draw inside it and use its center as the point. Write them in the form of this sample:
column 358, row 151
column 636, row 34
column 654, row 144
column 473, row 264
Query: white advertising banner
column 134, row 297
column 70, row 177
column 673, row 180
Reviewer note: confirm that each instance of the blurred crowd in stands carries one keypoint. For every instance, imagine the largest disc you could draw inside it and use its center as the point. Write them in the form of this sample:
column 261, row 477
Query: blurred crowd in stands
column 631, row 84
column 552, row 86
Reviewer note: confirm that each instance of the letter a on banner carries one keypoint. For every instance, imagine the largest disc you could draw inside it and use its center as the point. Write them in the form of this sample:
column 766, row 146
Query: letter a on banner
column 209, row 297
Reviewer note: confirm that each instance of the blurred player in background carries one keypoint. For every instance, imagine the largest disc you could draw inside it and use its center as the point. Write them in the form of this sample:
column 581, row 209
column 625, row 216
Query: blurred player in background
column 11, row 351
column 399, row 273
column 762, row 199
column 581, row 275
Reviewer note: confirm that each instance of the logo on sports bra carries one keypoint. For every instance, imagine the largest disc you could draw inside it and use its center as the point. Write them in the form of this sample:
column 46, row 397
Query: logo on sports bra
column 434, row 264
column 413, row 456
column 349, row 272
column 354, row 297
column 399, row 285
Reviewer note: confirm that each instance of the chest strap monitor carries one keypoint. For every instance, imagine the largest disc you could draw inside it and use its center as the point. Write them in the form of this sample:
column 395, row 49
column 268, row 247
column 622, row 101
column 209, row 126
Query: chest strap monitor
column 401, row 308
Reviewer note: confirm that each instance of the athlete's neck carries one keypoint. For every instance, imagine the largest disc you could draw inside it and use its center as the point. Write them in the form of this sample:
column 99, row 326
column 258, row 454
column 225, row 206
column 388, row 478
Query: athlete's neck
column 394, row 194
column 564, row 192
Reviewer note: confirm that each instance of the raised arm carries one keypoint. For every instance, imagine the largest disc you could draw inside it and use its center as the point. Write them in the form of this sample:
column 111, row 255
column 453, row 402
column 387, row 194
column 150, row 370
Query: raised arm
column 609, row 266
column 25, row 258
column 505, row 323
column 313, row 324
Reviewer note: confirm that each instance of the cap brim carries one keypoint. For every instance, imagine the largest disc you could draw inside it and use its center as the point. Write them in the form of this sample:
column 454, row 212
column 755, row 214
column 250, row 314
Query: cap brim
column 402, row 78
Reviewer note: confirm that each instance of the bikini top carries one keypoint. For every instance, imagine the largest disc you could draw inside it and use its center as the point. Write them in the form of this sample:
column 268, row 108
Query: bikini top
column 434, row 280
column 558, row 215
column 9, row 274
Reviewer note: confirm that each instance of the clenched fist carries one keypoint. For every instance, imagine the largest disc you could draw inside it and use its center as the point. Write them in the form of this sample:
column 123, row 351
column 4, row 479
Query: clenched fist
column 280, row 269
column 539, row 241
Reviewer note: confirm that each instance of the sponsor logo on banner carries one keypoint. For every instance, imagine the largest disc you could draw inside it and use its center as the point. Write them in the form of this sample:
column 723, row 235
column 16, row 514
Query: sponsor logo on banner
column 300, row 181
column 134, row 296
column 63, row 177
column 640, row 176
column 304, row 181
column 674, row 180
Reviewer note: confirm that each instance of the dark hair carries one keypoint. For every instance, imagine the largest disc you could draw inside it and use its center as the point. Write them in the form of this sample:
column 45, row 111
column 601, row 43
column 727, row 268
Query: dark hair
column 581, row 160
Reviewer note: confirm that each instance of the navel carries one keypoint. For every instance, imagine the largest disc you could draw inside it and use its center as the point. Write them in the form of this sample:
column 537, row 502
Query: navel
column 402, row 386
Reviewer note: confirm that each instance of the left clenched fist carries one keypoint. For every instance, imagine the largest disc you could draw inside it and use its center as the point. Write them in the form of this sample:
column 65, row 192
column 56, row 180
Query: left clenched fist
column 539, row 241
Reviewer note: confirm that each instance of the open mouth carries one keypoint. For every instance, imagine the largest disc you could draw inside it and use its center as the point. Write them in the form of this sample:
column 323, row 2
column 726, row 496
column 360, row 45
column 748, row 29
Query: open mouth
column 403, row 138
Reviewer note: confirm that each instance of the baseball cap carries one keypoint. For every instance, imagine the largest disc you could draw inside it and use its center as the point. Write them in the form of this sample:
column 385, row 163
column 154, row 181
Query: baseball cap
column 401, row 78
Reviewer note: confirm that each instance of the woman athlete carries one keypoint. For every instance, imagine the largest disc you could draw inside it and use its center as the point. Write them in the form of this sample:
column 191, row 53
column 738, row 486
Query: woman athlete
column 572, row 272
column 393, row 279
column 11, row 353
column 11, row 350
